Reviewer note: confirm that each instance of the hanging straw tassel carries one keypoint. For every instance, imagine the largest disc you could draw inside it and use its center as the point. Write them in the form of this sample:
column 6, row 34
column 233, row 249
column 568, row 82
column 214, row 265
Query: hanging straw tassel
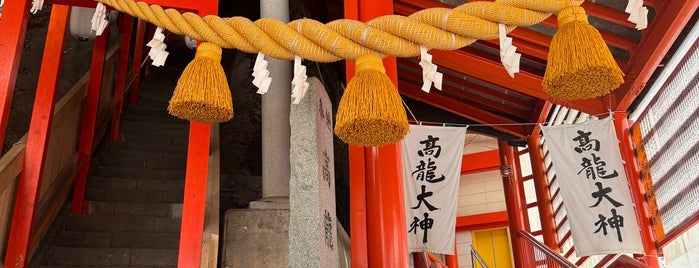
column 370, row 112
column 202, row 92
column 579, row 65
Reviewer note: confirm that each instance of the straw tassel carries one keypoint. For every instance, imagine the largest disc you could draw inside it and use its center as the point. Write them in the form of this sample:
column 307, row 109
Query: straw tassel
column 579, row 65
column 370, row 112
column 202, row 92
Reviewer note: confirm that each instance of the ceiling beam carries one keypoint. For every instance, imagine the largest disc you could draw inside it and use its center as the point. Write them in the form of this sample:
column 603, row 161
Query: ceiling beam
column 468, row 98
column 667, row 25
column 508, row 97
column 494, row 73
column 451, row 105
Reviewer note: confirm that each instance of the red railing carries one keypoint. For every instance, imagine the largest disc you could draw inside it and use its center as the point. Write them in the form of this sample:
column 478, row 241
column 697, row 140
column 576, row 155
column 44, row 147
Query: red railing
column 543, row 257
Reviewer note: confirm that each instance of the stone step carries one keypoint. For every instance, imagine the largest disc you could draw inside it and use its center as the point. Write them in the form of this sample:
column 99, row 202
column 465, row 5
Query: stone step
column 124, row 257
column 155, row 117
column 145, row 162
column 134, row 196
column 153, row 126
column 170, row 210
column 138, row 173
column 143, row 144
column 112, row 150
column 122, row 223
column 117, row 240
column 97, row 182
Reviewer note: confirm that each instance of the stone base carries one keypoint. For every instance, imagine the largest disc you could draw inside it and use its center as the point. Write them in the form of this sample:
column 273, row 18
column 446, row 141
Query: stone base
column 271, row 203
column 256, row 238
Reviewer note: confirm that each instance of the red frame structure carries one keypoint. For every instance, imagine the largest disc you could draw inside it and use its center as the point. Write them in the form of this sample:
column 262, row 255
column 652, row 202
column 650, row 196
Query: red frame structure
column 39, row 132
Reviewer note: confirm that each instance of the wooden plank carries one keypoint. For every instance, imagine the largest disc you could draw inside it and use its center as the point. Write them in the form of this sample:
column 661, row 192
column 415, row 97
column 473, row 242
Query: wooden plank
column 11, row 163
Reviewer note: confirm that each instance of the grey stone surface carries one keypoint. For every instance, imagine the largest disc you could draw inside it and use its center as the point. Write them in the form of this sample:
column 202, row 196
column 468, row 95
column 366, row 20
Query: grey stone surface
column 256, row 238
column 313, row 225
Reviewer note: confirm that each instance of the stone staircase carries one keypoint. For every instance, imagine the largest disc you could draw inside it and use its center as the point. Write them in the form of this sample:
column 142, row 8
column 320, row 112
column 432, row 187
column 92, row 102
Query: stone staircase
column 135, row 191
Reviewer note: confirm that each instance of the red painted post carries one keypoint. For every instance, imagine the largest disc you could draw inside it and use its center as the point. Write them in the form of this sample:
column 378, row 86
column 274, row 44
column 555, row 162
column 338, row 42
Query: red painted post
column 386, row 227
column 194, row 204
column 122, row 69
column 137, row 54
column 511, row 181
column 87, row 125
column 621, row 124
column 13, row 24
column 453, row 260
column 358, row 223
column 543, row 196
column 37, row 141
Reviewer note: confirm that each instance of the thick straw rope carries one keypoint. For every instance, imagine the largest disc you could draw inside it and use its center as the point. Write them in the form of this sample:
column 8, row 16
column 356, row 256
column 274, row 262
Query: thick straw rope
column 438, row 28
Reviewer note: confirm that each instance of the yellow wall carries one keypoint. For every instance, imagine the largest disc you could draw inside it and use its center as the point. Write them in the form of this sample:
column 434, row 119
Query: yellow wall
column 494, row 246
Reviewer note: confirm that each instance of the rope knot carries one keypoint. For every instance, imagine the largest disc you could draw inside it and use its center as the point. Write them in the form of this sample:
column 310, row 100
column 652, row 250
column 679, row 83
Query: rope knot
column 572, row 13
column 209, row 50
column 369, row 62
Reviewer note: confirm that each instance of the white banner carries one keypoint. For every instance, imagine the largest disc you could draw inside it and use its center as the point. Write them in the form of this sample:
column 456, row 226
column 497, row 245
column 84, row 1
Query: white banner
column 595, row 190
column 431, row 171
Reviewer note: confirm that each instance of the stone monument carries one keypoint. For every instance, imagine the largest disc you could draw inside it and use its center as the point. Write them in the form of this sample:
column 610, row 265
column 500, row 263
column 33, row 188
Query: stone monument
column 313, row 225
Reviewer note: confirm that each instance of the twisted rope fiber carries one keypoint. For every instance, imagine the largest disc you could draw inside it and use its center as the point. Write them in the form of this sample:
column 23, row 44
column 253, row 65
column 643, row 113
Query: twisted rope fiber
column 435, row 28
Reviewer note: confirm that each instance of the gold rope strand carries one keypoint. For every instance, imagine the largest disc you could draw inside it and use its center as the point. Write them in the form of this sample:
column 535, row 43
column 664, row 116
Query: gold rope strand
column 395, row 35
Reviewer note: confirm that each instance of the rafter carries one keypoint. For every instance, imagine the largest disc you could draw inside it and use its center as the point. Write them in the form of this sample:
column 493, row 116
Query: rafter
column 451, row 105
column 467, row 98
column 509, row 98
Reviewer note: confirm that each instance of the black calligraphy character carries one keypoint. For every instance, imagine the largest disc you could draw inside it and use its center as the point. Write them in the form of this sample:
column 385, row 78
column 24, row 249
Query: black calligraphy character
column 426, row 171
column 602, row 222
column 421, row 198
column 328, row 224
column 326, row 168
column 425, row 225
column 602, row 193
column 414, row 225
column 585, row 143
column 431, row 147
column 616, row 222
column 598, row 170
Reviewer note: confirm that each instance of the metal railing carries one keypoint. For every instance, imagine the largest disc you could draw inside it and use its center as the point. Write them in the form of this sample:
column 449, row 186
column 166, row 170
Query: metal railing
column 476, row 257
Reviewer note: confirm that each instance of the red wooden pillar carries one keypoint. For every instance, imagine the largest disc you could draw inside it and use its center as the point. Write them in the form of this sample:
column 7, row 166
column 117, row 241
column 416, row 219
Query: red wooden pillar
column 13, row 24
column 87, row 125
column 358, row 223
column 137, row 54
column 37, row 141
column 543, row 196
column 621, row 124
column 122, row 69
column 194, row 204
column 357, row 183
column 453, row 260
column 516, row 210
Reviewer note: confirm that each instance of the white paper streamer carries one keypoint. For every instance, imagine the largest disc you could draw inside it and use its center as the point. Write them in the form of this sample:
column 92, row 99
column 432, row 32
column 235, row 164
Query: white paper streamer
column 299, row 83
column 36, row 6
column 508, row 55
column 99, row 19
column 429, row 71
column 2, row 3
column 157, row 46
column 638, row 14
column 261, row 74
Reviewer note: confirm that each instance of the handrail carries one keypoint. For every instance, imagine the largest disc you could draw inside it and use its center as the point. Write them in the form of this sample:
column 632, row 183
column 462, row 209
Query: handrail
column 563, row 262
column 475, row 256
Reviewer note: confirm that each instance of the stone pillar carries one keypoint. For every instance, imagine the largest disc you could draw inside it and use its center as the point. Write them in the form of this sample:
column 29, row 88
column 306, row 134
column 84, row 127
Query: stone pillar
column 313, row 225
column 275, row 121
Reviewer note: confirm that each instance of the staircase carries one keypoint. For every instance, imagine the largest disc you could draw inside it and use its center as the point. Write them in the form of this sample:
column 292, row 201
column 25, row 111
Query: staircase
column 135, row 192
